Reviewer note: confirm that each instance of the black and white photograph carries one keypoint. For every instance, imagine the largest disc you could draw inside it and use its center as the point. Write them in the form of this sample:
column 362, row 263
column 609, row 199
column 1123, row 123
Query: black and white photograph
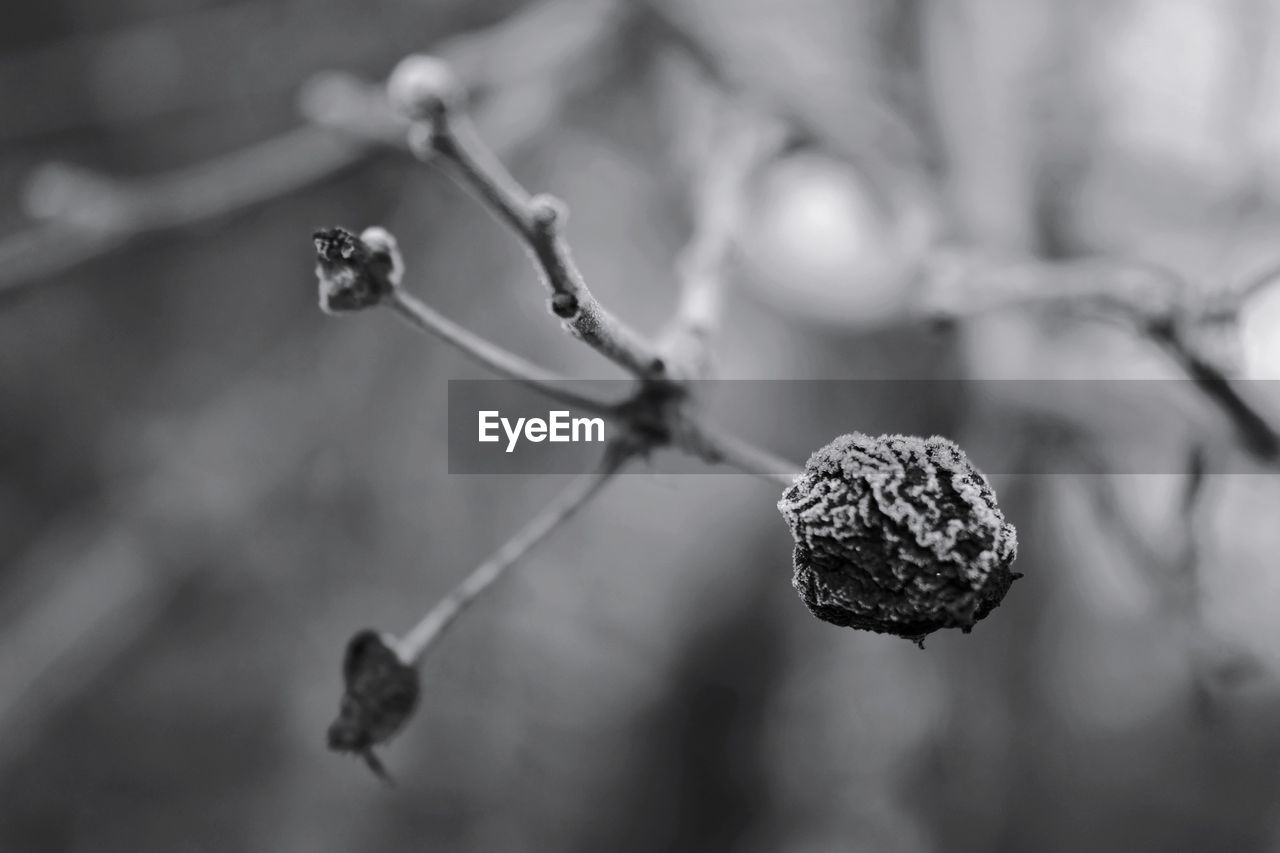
column 643, row 426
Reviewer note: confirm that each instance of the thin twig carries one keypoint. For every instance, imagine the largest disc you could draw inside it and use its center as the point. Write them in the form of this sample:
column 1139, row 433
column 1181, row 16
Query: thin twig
column 426, row 90
column 709, row 443
column 448, row 137
column 360, row 272
column 501, row 361
column 719, row 447
column 1254, row 430
column 415, row 643
column 120, row 211
column 957, row 284
column 705, row 441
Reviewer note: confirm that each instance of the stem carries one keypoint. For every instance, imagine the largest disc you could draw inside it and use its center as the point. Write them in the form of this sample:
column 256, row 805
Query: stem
column 537, row 220
column 432, row 626
column 423, row 317
column 1253, row 429
column 185, row 196
column 720, row 447
column 958, row 285
column 708, row 442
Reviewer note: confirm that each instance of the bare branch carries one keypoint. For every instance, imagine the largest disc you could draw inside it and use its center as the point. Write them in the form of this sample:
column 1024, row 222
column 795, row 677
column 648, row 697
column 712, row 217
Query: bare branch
column 426, row 89
column 719, row 447
column 1254, row 429
column 415, row 643
column 85, row 215
column 425, row 318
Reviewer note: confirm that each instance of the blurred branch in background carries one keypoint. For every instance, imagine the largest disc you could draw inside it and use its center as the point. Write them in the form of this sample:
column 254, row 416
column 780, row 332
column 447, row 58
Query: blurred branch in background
column 83, row 214
column 1156, row 302
column 80, row 214
column 419, row 639
column 1152, row 300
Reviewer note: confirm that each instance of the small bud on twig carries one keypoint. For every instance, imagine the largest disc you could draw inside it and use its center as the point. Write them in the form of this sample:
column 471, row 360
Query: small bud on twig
column 548, row 213
column 425, row 87
column 899, row 535
column 356, row 272
column 381, row 692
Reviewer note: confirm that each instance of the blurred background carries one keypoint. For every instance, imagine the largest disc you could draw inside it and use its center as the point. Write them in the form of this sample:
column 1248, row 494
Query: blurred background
column 206, row 486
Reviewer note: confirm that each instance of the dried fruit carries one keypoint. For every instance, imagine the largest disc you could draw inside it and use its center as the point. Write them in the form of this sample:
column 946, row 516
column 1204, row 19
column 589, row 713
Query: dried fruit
column 899, row 535
column 356, row 272
column 381, row 693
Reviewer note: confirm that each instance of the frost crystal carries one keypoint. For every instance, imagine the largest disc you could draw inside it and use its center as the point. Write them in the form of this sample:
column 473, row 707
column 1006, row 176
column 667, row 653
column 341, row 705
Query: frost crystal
column 898, row 534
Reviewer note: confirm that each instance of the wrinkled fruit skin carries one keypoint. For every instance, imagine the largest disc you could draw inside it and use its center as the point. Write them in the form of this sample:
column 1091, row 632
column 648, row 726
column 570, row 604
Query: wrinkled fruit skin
column 380, row 694
column 899, row 535
column 353, row 274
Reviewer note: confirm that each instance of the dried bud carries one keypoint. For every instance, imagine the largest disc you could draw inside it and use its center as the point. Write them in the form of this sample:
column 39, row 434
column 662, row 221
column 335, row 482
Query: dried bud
column 423, row 87
column 381, row 692
column 548, row 213
column 899, row 535
column 356, row 272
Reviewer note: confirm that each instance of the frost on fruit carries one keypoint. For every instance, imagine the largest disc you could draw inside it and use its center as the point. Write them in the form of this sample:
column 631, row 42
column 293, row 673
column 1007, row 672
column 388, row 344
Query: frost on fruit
column 380, row 694
column 898, row 534
column 355, row 272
